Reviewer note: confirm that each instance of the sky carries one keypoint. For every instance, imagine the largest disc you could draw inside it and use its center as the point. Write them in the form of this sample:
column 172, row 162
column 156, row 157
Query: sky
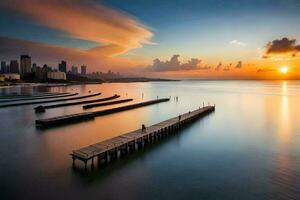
column 208, row 39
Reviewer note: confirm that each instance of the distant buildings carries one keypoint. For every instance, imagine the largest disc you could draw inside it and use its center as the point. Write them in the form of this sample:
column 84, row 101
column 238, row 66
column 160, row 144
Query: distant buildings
column 14, row 67
column 83, row 70
column 25, row 61
column 74, row 70
column 104, row 76
column 56, row 75
column 3, row 67
column 14, row 70
column 11, row 77
column 33, row 69
column 62, row 67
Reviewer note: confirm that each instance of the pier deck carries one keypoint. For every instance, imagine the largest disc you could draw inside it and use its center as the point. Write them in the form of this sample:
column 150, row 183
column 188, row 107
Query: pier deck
column 109, row 148
column 42, row 108
column 49, row 101
column 65, row 119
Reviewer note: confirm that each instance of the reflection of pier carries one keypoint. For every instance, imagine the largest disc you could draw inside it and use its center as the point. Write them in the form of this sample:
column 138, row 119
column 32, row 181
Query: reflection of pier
column 122, row 144
column 44, row 123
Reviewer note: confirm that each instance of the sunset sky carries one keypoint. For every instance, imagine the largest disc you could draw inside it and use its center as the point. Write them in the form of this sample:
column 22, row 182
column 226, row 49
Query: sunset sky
column 217, row 39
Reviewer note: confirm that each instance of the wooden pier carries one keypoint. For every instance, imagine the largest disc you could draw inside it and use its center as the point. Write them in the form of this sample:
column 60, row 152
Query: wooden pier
column 50, row 96
column 106, row 103
column 54, row 121
column 42, row 108
column 111, row 148
column 49, row 101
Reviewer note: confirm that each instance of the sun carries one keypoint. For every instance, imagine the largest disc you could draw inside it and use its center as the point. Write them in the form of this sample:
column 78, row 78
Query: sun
column 284, row 70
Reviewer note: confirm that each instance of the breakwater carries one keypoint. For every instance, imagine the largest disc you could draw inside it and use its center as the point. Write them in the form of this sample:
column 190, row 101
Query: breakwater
column 48, row 101
column 65, row 119
column 43, row 108
column 106, row 103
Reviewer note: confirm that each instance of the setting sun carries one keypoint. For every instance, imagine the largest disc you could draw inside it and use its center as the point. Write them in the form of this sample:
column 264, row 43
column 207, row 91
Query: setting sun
column 284, row 70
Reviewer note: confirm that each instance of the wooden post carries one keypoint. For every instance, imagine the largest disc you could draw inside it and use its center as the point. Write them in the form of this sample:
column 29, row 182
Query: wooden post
column 106, row 157
column 127, row 148
column 85, row 165
column 73, row 164
column 92, row 166
column 116, row 153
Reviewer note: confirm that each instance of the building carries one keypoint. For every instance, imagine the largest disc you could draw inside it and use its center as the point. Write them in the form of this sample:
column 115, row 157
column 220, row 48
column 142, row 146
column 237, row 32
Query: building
column 62, row 67
column 74, row 70
column 56, row 75
column 3, row 67
column 2, row 78
column 83, row 70
column 38, row 73
column 12, row 77
column 33, row 69
column 41, row 73
column 25, row 64
column 14, row 67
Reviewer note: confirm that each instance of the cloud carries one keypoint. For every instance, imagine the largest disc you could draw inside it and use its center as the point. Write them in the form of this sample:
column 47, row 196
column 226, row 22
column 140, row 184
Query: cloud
column 265, row 70
column 219, row 66
column 114, row 31
column 282, row 47
column 174, row 65
column 238, row 43
column 239, row 65
column 227, row 67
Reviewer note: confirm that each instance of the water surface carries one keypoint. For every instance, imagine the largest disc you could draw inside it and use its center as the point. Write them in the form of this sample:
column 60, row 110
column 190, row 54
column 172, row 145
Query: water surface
column 249, row 148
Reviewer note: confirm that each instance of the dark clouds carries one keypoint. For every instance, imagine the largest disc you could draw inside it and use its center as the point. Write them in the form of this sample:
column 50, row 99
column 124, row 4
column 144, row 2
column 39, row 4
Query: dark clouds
column 239, row 65
column 174, row 65
column 219, row 66
column 265, row 70
column 282, row 46
column 227, row 67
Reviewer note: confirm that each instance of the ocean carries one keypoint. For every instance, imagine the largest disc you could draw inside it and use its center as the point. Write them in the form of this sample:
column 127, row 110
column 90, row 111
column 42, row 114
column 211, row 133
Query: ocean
column 249, row 148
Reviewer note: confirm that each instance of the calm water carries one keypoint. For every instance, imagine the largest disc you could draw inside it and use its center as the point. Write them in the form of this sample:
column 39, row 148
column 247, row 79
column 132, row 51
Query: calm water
column 248, row 149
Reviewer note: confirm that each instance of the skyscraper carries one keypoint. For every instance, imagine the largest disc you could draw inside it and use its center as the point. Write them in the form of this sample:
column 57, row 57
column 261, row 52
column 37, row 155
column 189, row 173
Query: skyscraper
column 83, row 70
column 25, row 64
column 3, row 67
column 74, row 70
column 14, row 66
column 33, row 69
column 62, row 66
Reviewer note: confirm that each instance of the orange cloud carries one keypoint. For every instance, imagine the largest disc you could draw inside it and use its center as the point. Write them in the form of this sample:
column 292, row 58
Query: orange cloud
column 115, row 32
